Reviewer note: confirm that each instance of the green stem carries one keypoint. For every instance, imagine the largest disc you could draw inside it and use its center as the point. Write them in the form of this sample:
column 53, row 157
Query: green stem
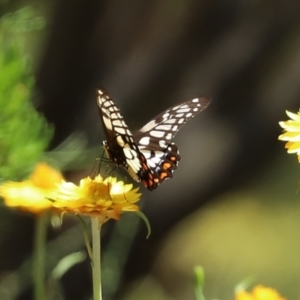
column 96, row 262
column 39, row 256
column 86, row 237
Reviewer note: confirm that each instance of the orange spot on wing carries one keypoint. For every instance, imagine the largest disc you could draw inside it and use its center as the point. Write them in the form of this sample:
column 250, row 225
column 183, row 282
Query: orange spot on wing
column 167, row 165
column 163, row 175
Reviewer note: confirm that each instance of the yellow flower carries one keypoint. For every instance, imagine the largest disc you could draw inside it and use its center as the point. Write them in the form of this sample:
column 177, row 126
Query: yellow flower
column 31, row 195
column 106, row 199
column 292, row 134
column 259, row 293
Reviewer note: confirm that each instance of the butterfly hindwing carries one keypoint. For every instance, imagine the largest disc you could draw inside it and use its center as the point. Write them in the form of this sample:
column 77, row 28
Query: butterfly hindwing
column 149, row 155
column 154, row 139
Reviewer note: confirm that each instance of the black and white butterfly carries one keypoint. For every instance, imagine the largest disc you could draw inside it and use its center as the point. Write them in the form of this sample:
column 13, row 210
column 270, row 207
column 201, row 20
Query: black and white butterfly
column 148, row 155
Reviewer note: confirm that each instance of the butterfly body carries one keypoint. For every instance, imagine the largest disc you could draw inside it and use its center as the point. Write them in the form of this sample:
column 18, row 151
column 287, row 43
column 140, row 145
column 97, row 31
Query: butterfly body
column 149, row 155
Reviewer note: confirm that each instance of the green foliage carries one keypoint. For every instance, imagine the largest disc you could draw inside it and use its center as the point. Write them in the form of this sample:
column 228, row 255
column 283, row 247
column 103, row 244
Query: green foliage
column 21, row 21
column 199, row 282
column 24, row 133
column 66, row 263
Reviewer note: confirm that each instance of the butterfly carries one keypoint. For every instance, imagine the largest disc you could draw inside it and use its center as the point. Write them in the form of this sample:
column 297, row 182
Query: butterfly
column 148, row 155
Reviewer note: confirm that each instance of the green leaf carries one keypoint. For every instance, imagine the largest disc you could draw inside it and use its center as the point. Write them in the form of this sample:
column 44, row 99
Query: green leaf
column 145, row 219
column 66, row 263
column 243, row 285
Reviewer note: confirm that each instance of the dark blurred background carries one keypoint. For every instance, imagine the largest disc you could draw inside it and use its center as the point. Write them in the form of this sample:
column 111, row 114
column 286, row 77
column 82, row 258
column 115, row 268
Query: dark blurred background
column 232, row 206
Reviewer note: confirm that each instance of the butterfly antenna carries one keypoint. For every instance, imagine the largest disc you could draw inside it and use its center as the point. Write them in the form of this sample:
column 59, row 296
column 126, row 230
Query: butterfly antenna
column 100, row 158
column 95, row 170
column 98, row 163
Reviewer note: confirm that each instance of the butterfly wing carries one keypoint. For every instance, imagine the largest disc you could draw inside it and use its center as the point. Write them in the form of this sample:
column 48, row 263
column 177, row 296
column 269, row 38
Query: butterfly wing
column 154, row 139
column 119, row 143
column 148, row 155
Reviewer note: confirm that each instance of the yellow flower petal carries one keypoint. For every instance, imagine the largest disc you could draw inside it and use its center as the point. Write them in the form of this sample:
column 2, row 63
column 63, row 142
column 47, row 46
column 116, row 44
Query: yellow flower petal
column 32, row 195
column 292, row 126
column 293, row 116
column 290, row 136
column 293, row 147
column 106, row 199
column 243, row 295
column 259, row 293
column 292, row 133
column 45, row 176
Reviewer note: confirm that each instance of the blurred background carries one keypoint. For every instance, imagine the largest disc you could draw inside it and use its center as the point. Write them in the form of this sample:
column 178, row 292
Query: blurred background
column 232, row 206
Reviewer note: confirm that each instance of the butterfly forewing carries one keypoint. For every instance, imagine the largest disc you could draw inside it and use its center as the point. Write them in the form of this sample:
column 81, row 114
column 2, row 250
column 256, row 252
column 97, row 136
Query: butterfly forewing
column 120, row 146
column 149, row 155
column 162, row 129
column 113, row 121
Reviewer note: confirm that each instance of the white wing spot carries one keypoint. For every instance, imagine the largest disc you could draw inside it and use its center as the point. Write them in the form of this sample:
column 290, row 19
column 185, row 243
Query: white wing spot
column 195, row 109
column 195, row 100
column 145, row 140
column 171, row 121
column 189, row 115
column 169, row 136
column 148, row 126
column 128, row 132
column 157, row 134
column 129, row 154
column 162, row 143
column 159, row 153
column 166, row 115
column 118, row 123
column 114, row 115
column 107, row 123
column 147, row 153
column 151, row 163
column 134, row 164
column 183, row 110
column 120, row 130
column 179, row 115
column 120, row 141
column 181, row 121
column 184, row 106
column 105, row 111
column 175, row 128
column 164, row 127
column 155, row 159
